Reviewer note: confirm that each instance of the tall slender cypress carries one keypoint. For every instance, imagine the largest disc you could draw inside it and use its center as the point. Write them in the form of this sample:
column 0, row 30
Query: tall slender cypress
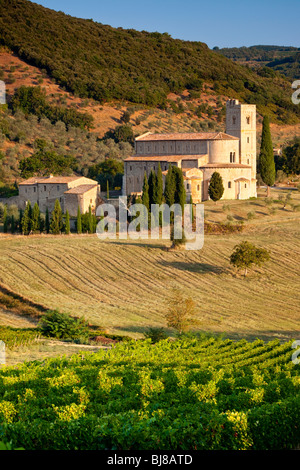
column 266, row 163
column 56, row 223
column 79, row 221
column 47, row 221
column 169, row 192
column 159, row 186
column 36, row 218
column 67, row 223
column 152, row 182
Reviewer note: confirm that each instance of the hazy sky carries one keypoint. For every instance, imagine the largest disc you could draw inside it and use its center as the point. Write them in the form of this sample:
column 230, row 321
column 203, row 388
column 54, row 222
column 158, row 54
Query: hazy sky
column 231, row 23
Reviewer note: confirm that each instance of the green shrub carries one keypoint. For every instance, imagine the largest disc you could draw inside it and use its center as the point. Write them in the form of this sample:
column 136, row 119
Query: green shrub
column 155, row 334
column 63, row 326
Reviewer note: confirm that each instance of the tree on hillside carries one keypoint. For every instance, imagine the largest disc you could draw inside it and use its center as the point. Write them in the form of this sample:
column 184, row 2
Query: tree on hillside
column 266, row 163
column 216, row 188
column 56, row 223
column 246, row 254
column 145, row 194
column 181, row 312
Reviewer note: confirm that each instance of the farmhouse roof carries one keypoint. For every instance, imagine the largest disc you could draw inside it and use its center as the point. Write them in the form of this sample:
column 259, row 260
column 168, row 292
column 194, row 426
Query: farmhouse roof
column 50, row 180
column 83, row 188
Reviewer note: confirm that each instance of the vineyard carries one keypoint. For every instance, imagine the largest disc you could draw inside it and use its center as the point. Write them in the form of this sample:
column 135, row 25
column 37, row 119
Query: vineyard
column 188, row 394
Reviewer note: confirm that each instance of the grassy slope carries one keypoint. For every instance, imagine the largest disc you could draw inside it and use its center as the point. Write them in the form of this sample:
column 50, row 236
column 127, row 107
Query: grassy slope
column 124, row 285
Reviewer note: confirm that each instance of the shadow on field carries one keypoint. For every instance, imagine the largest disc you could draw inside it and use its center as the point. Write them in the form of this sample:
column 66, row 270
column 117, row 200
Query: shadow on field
column 201, row 268
column 145, row 244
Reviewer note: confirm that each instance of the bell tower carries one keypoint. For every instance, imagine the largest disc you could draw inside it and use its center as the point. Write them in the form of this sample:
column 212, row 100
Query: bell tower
column 241, row 122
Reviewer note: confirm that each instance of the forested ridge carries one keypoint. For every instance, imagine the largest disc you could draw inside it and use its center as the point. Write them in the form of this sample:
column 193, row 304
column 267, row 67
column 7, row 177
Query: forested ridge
column 104, row 63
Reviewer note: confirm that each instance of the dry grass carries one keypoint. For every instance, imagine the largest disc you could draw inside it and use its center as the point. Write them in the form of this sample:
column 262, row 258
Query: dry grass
column 124, row 285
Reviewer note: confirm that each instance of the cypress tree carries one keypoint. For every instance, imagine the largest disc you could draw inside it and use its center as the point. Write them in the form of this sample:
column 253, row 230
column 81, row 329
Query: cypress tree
column 67, row 223
column 152, row 182
column 56, row 223
column 107, row 189
column 36, row 218
column 216, row 188
column 20, row 220
column 145, row 195
column 47, row 221
column 180, row 194
column 90, row 221
column 170, row 187
column 159, row 186
column 266, row 165
column 79, row 221
column 13, row 224
column 5, row 220
column 26, row 220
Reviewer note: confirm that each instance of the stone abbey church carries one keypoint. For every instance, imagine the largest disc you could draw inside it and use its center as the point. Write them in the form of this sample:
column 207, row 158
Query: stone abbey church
column 199, row 155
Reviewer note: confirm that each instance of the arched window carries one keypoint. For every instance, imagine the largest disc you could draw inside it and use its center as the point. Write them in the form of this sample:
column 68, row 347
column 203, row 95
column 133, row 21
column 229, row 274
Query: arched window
column 233, row 119
column 248, row 119
column 229, row 184
column 231, row 157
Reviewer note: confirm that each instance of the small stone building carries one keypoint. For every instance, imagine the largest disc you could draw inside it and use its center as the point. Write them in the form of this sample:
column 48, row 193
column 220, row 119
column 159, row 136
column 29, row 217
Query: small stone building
column 232, row 154
column 71, row 191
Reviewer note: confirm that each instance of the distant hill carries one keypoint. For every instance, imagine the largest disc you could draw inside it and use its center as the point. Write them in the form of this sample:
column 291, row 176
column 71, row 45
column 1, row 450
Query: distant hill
column 97, row 61
column 285, row 60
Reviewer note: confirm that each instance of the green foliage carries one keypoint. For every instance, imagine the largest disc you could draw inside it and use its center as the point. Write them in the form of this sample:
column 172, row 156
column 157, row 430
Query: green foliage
column 79, row 221
column 63, row 326
column 18, row 337
column 32, row 100
column 189, row 394
column 103, row 63
column 155, row 334
column 170, row 187
column 181, row 312
column 27, row 219
column 266, row 163
column 45, row 162
column 216, row 187
column 67, row 223
column 109, row 171
column 246, row 254
column 56, row 222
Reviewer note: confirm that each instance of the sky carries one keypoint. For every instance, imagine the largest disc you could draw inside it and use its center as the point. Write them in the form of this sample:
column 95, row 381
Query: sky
column 232, row 23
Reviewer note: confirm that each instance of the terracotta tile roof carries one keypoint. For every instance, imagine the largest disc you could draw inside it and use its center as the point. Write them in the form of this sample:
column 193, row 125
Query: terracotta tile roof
column 51, row 180
column 83, row 188
column 148, row 137
column 163, row 158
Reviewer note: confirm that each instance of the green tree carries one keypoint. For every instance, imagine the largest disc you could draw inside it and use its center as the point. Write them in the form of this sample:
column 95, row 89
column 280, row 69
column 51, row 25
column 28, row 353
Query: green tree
column 47, row 221
column 56, row 223
column 36, row 219
column 20, row 220
column 145, row 195
column 216, row 188
column 159, row 186
column 26, row 220
column 266, row 163
column 90, row 221
column 107, row 189
column 180, row 193
column 79, row 221
column 246, row 254
column 5, row 220
column 170, row 187
column 152, row 182
column 67, row 223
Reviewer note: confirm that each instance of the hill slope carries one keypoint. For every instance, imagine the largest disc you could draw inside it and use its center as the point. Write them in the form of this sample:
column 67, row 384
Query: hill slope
column 285, row 60
column 101, row 62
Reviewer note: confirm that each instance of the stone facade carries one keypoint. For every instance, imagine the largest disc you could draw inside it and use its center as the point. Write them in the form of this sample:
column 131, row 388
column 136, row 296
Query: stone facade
column 232, row 154
column 71, row 191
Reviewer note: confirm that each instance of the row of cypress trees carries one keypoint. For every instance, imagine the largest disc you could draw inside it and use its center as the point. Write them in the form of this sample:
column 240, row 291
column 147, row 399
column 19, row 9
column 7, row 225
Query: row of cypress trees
column 154, row 193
